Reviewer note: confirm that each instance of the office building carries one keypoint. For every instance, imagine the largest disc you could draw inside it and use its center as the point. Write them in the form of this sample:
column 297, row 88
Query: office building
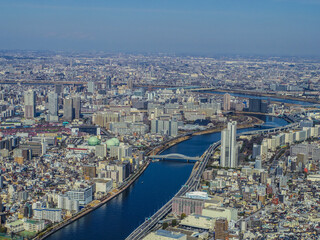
column 229, row 146
column 258, row 162
column 256, row 149
column 53, row 104
column 58, row 88
column 258, row 105
column 221, row 228
column 108, row 83
column 130, row 84
column 83, row 195
column 29, row 104
column 76, row 105
column 68, row 113
column 162, row 127
column 91, row 87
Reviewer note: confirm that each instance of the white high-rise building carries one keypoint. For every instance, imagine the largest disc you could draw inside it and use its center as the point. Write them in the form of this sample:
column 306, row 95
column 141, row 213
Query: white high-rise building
column 53, row 104
column 229, row 146
column 91, row 87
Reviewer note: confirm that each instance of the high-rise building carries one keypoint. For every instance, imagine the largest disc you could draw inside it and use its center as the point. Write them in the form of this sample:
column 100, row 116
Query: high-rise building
column 221, row 228
column 53, row 104
column 226, row 102
column 130, row 84
column 76, row 104
column 257, row 105
column 58, row 88
column 91, row 87
column 169, row 128
column 29, row 104
column 229, row 146
column 258, row 162
column 68, row 113
column 256, row 150
column 108, row 83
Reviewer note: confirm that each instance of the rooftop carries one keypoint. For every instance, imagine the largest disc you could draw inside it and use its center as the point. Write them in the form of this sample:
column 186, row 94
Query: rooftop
column 165, row 233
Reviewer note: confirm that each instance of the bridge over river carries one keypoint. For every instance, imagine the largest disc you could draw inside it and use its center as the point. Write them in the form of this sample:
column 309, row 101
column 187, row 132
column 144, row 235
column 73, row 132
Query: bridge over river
column 175, row 156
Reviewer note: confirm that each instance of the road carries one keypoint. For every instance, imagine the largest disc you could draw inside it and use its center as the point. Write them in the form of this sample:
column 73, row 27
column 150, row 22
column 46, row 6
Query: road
column 192, row 184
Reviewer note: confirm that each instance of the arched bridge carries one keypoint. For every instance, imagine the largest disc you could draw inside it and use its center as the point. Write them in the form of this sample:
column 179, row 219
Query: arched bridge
column 175, row 156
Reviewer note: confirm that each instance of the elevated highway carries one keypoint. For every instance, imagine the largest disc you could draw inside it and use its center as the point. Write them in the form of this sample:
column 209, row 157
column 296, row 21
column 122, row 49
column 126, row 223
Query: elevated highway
column 192, row 184
column 272, row 130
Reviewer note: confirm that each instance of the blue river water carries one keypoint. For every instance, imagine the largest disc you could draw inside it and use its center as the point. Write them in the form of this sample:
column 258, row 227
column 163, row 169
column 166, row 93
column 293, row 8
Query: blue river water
column 161, row 180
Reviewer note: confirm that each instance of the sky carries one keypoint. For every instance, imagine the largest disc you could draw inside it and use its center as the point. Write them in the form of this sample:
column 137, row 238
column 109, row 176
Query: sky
column 204, row 27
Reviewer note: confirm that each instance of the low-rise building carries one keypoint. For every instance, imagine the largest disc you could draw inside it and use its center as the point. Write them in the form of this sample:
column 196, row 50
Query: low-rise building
column 165, row 235
column 34, row 225
column 199, row 221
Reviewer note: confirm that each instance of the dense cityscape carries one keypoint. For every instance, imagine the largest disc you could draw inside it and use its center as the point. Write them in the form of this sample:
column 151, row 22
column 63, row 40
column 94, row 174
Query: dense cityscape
column 79, row 129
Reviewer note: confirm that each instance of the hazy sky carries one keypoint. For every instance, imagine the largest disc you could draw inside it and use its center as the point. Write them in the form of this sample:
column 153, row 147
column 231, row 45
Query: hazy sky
column 273, row 27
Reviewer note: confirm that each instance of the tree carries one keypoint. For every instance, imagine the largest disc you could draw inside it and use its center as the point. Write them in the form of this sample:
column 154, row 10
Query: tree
column 3, row 229
column 183, row 215
column 174, row 222
column 165, row 225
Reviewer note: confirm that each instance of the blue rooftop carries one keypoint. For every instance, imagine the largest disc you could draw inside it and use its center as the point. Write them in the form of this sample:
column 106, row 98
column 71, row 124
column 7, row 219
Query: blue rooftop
column 172, row 235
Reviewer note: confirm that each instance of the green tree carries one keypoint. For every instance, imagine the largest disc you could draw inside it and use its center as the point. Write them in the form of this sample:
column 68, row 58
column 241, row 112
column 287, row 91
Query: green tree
column 183, row 215
column 174, row 222
column 165, row 225
column 3, row 229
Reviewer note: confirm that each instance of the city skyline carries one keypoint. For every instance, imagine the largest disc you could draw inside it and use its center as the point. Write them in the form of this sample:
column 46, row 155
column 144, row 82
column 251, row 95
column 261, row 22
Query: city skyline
column 144, row 120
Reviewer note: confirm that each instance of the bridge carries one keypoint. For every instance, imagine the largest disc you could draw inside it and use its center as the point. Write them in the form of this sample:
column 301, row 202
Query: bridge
column 192, row 184
column 175, row 156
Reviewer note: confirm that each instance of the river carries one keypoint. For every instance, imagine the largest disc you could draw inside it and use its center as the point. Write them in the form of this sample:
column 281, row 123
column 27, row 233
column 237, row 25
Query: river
column 290, row 101
column 161, row 180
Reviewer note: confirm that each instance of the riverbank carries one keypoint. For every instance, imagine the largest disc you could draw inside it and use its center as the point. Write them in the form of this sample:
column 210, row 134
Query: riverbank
column 133, row 178
column 166, row 145
column 130, row 181
column 257, row 121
